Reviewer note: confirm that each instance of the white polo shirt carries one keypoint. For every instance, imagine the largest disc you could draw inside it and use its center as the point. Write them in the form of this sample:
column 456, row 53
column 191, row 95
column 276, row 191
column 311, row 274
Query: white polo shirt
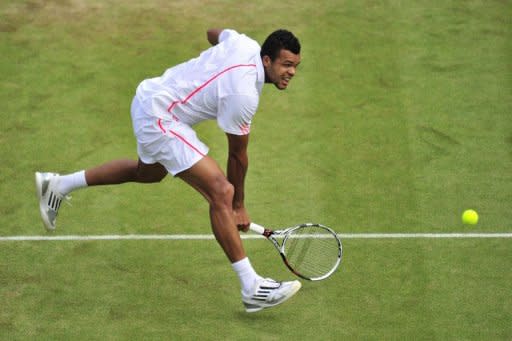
column 223, row 83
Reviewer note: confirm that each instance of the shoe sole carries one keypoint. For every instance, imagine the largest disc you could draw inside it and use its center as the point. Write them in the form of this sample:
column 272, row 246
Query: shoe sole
column 42, row 205
column 252, row 308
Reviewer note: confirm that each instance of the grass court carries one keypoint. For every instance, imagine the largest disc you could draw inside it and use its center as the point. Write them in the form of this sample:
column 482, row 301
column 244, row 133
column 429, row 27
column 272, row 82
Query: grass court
column 398, row 119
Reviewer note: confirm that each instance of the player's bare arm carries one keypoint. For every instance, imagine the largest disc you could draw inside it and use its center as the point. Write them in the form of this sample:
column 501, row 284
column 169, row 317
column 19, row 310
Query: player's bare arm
column 238, row 163
column 213, row 35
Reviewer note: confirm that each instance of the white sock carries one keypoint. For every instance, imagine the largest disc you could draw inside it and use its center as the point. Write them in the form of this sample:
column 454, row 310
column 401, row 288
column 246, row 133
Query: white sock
column 246, row 274
column 70, row 182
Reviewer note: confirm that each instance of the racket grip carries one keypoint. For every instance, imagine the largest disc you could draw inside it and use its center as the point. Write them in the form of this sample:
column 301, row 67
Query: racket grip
column 257, row 228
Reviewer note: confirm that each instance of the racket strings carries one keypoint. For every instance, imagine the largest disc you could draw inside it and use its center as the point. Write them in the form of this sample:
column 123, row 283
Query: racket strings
column 312, row 251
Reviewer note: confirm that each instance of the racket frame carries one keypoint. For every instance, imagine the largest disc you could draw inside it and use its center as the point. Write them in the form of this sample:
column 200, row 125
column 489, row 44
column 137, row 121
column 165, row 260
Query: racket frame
column 287, row 232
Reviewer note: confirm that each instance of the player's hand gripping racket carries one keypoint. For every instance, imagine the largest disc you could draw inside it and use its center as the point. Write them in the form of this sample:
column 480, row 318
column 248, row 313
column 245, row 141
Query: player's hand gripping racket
column 310, row 251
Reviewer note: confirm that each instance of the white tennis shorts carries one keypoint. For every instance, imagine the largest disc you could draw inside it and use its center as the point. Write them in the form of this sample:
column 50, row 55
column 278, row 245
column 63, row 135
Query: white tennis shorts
column 169, row 142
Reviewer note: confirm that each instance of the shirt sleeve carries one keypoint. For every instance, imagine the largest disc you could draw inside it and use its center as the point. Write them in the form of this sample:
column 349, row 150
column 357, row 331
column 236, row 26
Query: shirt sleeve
column 226, row 34
column 236, row 113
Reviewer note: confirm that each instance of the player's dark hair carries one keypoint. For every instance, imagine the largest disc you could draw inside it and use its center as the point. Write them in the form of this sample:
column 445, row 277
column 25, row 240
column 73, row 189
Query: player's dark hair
column 278, row 40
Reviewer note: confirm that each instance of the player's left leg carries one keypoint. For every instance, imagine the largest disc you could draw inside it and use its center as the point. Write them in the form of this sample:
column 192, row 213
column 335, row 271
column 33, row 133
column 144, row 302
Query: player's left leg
column 121, row 171
column 53, row 188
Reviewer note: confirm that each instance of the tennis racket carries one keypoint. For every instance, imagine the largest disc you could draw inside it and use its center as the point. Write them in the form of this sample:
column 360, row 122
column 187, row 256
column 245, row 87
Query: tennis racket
column 310, row 251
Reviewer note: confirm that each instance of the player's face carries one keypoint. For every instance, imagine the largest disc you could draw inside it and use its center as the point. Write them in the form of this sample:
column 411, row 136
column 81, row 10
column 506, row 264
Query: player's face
column 282, row 69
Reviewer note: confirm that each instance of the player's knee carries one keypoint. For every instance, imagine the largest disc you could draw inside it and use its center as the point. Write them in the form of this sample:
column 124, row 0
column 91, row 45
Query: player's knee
column 149, row 178
column 222, row 193
column 150, row 175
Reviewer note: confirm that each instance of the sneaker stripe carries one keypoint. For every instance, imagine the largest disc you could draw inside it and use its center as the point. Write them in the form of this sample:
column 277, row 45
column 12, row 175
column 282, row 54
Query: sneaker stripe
column 54, row 199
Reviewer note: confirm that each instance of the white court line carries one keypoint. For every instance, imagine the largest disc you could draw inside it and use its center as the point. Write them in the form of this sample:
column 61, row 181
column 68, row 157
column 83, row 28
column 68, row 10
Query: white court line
column 250, row 236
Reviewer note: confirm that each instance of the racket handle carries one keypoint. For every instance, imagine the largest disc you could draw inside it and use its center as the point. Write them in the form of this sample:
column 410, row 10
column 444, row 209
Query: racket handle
column 257, row 228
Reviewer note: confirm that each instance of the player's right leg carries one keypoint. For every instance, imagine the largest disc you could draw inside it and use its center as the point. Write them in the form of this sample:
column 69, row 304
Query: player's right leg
column 209, row 180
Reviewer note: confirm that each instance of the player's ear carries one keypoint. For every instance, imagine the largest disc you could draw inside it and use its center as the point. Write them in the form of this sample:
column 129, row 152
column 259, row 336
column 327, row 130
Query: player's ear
column 266, row 61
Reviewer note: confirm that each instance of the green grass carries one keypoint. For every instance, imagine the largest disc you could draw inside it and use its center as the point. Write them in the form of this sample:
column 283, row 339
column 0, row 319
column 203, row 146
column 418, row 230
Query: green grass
column 398, row 120
column 150, row 290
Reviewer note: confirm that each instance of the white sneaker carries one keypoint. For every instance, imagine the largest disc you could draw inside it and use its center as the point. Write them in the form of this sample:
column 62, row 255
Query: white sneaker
column 268, row 293
column 49, row 198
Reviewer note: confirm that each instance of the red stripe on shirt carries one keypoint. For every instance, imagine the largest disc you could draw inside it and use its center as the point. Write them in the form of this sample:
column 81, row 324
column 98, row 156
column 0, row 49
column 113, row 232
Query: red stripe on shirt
column 173, row 104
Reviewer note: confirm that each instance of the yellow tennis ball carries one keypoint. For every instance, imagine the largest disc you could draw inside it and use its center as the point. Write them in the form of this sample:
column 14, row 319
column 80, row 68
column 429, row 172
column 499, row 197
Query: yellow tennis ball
column 470, row 217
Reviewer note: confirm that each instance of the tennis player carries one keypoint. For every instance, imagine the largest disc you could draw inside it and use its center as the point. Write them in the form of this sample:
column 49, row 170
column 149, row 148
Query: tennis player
column 223, row 83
